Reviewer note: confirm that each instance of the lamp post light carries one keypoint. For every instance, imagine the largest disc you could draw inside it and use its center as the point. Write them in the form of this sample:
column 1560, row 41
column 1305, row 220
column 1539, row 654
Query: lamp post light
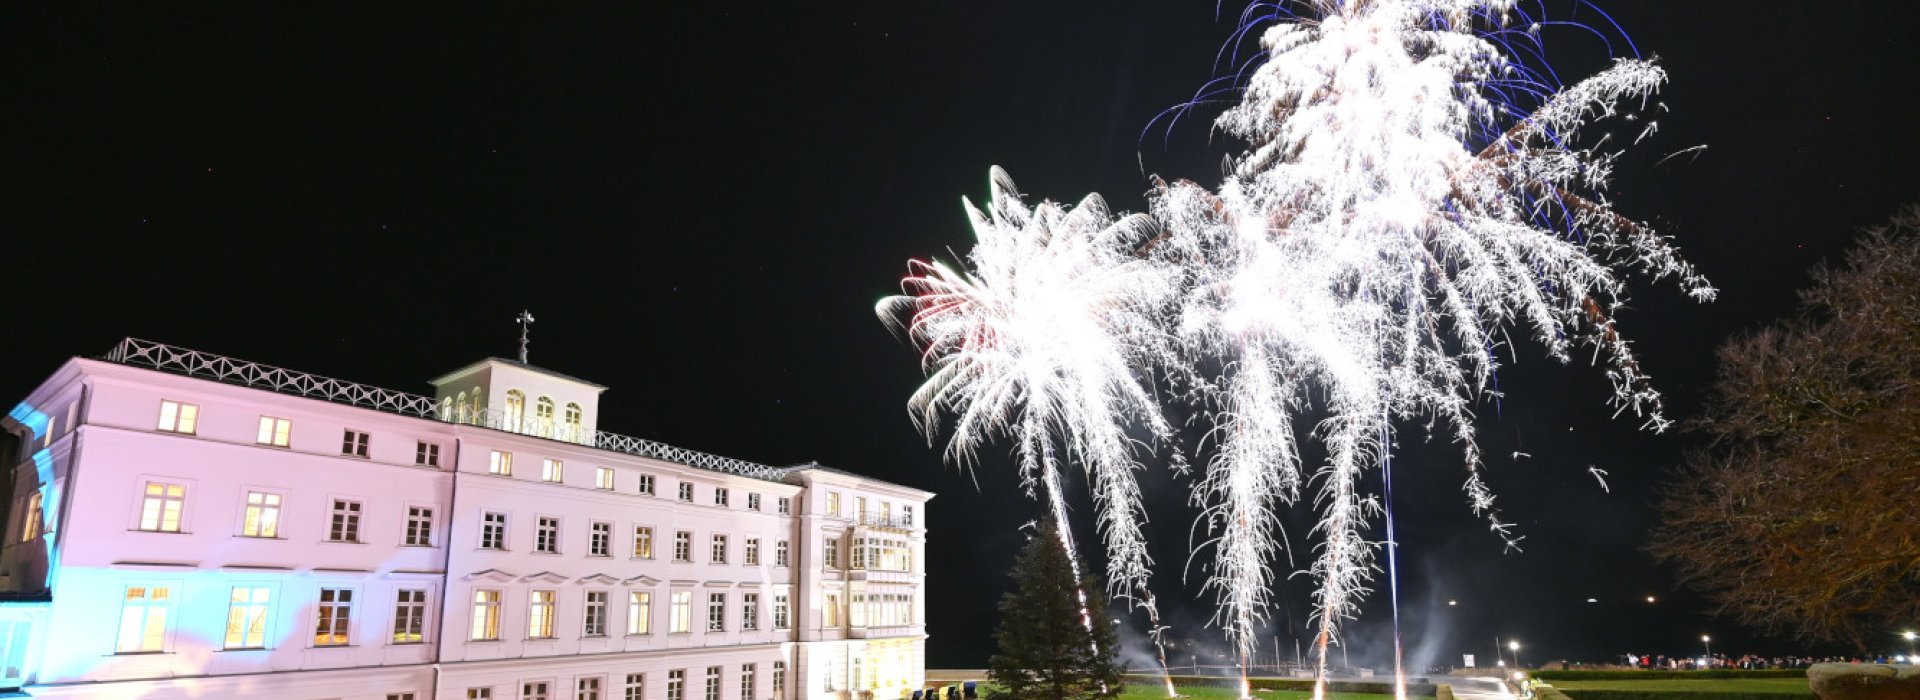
column 1708, row 641
column 1515, row 648
column 1910, row 635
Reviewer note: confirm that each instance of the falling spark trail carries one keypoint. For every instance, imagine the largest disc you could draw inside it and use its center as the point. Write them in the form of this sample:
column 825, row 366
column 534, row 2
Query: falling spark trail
column 1393, row 570
column 1411, row 194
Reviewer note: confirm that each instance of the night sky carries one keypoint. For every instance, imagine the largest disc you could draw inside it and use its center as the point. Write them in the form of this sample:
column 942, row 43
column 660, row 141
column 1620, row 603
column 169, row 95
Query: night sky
column 701, row 202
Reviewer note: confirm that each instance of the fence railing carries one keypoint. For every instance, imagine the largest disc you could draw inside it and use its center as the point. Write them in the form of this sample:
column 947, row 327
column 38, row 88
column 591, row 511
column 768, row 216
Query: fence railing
column 220, row 368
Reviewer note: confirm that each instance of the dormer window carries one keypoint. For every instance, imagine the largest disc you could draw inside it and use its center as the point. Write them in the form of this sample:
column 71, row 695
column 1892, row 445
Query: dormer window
column 543, row 416
column 516, row 410
column 574, row 418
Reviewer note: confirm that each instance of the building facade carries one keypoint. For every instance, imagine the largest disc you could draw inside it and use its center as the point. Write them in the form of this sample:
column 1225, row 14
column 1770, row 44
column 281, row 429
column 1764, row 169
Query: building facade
column 185, row 525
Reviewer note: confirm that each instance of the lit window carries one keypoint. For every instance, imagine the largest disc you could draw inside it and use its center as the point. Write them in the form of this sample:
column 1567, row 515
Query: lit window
column 247, row 618
column 552, row 470
column 277, row 432
column 573, row 429
column 143, row 619
column 161, row 507
column 426, row 454
column 595, row 624
column 543, row 416
column 886, row 513
column 399, row 696
column 486, row 615
column 779, row 680
column 500, row 463
column 419, row 526
column 682, row 620
column 720, row 497
column 354, row 444
column 831, row 610
column 686, row 492
column 716, row 612
column 683, row 546
column 603, row 478
column 906, row 516
column 785, row 505
column 719, row 549
column 179, row 417
column 262, row 517
column 30, row 527
column 493, row 531
column 750, row 612
column 747, row 672
column 753, row 501
column 516, row 411
column 713, row 683
column 409, row 616
column 677, row 684
column 546, row 536
column 534, row 690
column 587, row 688
column 636, row 687
column 479, row 694
column 780, row 554
column 830, row 557
column 782, row 614
column 646, row 484
column 336, row 615
column 753, row 551
column 642, row 542
column 345, row 525
column 833, row 504
column 639, row 612
column 860, row 508
column 600, row 539
column 540, row 615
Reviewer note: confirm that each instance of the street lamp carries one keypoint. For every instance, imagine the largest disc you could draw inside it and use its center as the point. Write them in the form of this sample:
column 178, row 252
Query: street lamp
column 1515, row 648
column 1704, row 639
column 1910, row 635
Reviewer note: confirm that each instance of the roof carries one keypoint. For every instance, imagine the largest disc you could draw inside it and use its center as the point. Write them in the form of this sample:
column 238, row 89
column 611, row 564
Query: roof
column 797, row 469
column 514, row 363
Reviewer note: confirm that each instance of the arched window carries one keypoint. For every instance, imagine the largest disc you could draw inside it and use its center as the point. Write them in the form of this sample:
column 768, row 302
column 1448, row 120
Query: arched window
column 446, row 408
column 573, row 418
column 543, row 416
column 460, row 411
column 516, row 410
column 479, row 407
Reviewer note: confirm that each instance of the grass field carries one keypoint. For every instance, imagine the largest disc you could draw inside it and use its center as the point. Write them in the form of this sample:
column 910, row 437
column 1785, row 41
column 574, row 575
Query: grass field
column 1154, row 692
column 1782, row 686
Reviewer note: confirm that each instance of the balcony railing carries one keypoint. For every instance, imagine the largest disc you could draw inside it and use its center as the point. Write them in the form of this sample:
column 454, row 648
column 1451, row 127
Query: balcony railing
column 194, row 363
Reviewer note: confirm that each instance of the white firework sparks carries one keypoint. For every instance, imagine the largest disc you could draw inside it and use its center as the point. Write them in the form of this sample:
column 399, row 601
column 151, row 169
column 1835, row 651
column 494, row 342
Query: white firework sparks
column 1363, row 261
column 1394, row 218
column 1043, row 341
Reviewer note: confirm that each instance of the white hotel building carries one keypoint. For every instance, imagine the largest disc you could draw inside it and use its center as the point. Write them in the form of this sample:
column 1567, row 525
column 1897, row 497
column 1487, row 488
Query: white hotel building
column 185, row 525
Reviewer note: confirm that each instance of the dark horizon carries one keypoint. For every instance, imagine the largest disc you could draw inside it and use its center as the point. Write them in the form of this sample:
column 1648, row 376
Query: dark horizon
column 701, row 204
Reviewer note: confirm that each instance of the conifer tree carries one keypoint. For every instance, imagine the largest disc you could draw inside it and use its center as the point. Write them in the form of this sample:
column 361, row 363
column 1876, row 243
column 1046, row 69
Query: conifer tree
column 1047, row 651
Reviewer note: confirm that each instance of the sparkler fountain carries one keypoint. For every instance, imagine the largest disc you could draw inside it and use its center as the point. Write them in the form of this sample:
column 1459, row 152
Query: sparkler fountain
column 1411, row 193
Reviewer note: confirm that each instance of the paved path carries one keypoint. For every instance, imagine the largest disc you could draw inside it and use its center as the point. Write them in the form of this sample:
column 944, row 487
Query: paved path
column 1469, row 688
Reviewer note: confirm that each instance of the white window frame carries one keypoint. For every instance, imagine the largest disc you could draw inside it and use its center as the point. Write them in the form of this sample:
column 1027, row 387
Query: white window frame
column 680, row 611
column 343, row 524
column 540, row 612
column 751, row 555
column 419, row 521
column 785, row 505
column 253, row 515
column 267, row 592
column 716, row 611
column 587, row 609
column 177, row 417
column 483, row 620
column 600, row 538
column 546, row 534
column 342, row 616
column 356, row 443
column 553, row 471
column 686, row 492
column 753, row 501
column 749, row 612
column 683, row 546
column 646, row 485
column 718, row 552
column 639, row 613
column 499, row 463
column 145, row 610
column 399, row 634
column 426, row 454
column 603, row 478
column 720, row 497
column 487, row 524
column 643, row 542
column 782, row 553
column 275, row 432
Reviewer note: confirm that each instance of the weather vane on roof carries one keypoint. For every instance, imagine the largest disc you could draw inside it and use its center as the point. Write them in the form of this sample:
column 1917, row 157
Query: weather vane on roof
column 525, row 319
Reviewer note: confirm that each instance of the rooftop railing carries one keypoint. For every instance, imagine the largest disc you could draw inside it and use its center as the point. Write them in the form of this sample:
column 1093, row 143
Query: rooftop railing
column 220, row 368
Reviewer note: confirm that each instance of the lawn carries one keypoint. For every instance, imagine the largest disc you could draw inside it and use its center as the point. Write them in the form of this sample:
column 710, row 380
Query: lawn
column 1781, row 686
column 1154, row 692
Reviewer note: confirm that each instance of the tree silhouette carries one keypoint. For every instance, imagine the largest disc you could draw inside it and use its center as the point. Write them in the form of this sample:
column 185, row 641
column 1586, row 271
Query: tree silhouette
column 1046, row 649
